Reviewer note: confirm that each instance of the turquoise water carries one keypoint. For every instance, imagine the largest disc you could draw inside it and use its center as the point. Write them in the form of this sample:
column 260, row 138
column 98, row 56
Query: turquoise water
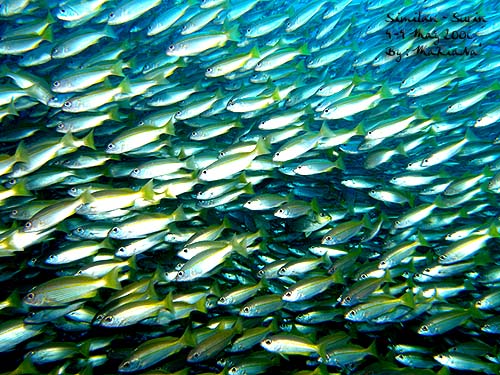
column 249, row 187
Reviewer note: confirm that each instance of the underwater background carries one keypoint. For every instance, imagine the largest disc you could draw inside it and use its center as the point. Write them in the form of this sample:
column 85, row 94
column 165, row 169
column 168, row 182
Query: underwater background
column 249, row 187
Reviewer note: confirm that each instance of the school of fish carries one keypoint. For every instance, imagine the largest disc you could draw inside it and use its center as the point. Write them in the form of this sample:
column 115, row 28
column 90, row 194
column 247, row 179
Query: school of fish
column 249, row 187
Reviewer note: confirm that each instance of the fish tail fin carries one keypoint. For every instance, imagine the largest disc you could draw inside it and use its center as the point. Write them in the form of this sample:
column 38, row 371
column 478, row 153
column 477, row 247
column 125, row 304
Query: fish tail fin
column 109, row 32
column 493, row 231
column 50, row 19
column 420, row 115
column 301, row 67
column 239, row 248
column 124, row 86
column 88, row 140
column 339, row 163
column 147, row 191
column 114, row 114
column 408, row 300
column 233, row 33
column 20, row 189
column 168, row 302
column 385, row 92
column 254, row 52
column 106, row 244
column 21, row 154
column 470, row 136
column 179, row 214
column 359, row 129
column 400, row 150
column 372, row 349
column 47, row 35
column 111, row 279
column 304, row 49
column 169, row 128
column 262, row 147
column 68, row 140
column 117, row 69
column 187, row 338
column 11, row 109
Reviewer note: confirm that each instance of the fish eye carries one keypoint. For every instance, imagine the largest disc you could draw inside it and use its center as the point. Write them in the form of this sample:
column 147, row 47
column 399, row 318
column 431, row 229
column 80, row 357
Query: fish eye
column 424, row 328
column 233, row 369
column 136, row 171
column 347, row 299
column 56, row 84
column 397, row 222
column 204, row 171
column 442, row 257
column 260, row 273
column 67, row 104
column 62, row 10
column 111, row 15
column 209, row 70
column 277, row 154
column 28, row 224
column 13, row 212
column 108, row 319
column 121, row 249
column 288, row 294
column 249, row 30
column 326, row 110
column 268, row 342
column 193, row 134
column 282, row 270
column 222, row 153
column 141, row 123
column 363, row 276
column 111, row 146
column 196, row 355
column 126, row 364
column 382, row 263
column 351, row 313
column 328, row 238
column 180, row 273
column 171, row 47
column 79, row 272
column 61, row 125
column 178, row 113
column 246, row 309
column 30, row 295
column 259, row 64
column 222, row 300
column 79, row 229
column 52, row 257
column 426, row 161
